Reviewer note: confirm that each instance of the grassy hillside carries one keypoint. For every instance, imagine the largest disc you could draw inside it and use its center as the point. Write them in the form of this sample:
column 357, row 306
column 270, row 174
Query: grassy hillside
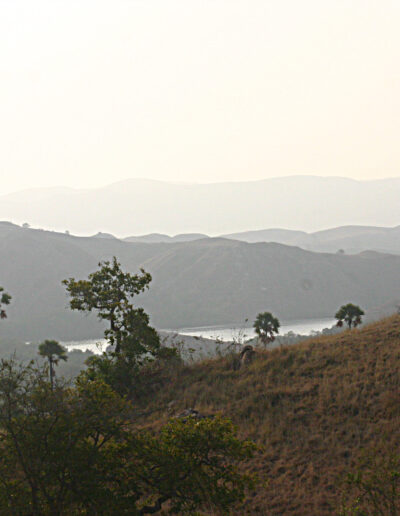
column 312, row 407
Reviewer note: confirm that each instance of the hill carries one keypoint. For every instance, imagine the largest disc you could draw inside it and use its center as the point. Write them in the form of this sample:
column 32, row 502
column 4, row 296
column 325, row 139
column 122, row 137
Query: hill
column 344, row 239
column 349, row 239
column 155, row 238
column 200, row 283
column 139, row 206
column 312, row 407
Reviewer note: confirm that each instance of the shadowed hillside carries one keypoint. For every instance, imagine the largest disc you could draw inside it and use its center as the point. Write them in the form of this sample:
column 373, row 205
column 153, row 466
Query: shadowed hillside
column 200, row 283
column 312, row 407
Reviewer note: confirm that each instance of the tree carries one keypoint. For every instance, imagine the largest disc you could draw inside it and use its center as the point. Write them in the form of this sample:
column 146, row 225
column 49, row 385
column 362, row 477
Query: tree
column 60, row 448
column 109, row 291
column 135, row 343
column 74, row 450
column 191, row 464
column 5, row 299
column 54, row 352
column 350, row 314
column 139, row 347
column 266, row 326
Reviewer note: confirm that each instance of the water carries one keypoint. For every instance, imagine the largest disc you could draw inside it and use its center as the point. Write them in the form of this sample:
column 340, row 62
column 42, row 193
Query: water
column 223, row 333
column 300, row 327
column 97, row 346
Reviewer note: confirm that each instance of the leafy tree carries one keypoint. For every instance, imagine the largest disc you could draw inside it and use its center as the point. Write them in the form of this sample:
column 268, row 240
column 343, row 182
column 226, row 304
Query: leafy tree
column 5, row 299
column 191, row 466
column 266, row 326
column 350, row 314
column 54, row 352
column 74, row 450
column 109, row 291
column 59, row 447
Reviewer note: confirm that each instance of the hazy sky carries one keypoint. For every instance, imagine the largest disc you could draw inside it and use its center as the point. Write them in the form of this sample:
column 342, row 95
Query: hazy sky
column 92, row 92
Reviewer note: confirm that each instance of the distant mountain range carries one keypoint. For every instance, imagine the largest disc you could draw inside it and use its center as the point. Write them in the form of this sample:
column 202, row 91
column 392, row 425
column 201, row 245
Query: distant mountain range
column 203, row 282
column 344, row 239
column 158, row 238
column 140, row 206
column 348, row 239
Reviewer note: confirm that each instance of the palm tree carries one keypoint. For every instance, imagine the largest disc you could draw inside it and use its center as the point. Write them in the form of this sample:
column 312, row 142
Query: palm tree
column 350, row 314
column 266, row 326
column 54, row 352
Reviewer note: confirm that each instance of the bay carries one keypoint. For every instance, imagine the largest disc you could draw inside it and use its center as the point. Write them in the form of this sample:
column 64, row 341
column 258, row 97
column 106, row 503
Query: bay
column 222, row 333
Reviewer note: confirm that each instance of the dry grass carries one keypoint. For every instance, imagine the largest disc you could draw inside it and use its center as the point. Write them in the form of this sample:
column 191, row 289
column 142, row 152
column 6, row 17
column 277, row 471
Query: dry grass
column 312, row 407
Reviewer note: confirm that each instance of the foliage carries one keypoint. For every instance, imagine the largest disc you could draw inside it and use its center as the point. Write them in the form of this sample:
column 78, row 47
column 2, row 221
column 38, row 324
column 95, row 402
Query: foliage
column 192, row 464
column 74, row 450
column 109, row 291
column 350, row 314
column 266, row 326
column 54, row 352
column 5, row 299
column 374, row 488
column 59, row 447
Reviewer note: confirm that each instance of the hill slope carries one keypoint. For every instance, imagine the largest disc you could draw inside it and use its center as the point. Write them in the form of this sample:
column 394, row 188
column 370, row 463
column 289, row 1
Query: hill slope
column 312, row 407
column 200, row 283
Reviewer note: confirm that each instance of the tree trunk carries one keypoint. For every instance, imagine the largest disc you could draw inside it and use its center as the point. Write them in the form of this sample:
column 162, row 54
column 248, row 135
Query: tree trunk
column 51, row 374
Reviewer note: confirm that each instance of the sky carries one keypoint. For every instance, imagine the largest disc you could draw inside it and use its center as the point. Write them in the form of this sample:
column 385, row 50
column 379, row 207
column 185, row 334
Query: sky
column 93, row 92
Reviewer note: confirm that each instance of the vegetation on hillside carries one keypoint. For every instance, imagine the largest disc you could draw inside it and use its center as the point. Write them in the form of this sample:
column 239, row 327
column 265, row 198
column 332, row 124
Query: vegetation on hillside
column 69, row 449
column 315, row 408
column 306, row 417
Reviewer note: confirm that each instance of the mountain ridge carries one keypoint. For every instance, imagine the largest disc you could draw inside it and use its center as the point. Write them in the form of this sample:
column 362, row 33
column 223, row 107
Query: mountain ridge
column 140, row 206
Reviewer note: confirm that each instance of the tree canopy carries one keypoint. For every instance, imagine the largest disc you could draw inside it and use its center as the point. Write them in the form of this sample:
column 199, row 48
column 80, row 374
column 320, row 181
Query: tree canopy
column 109, row 292
column 266, row 326
column 350, row 314
column 75, row 450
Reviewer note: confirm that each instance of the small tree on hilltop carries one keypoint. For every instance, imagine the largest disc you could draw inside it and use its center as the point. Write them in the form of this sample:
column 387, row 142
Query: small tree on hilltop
column 54, row 352
column 266, row 326
column 349, row 314
column 4, row 300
